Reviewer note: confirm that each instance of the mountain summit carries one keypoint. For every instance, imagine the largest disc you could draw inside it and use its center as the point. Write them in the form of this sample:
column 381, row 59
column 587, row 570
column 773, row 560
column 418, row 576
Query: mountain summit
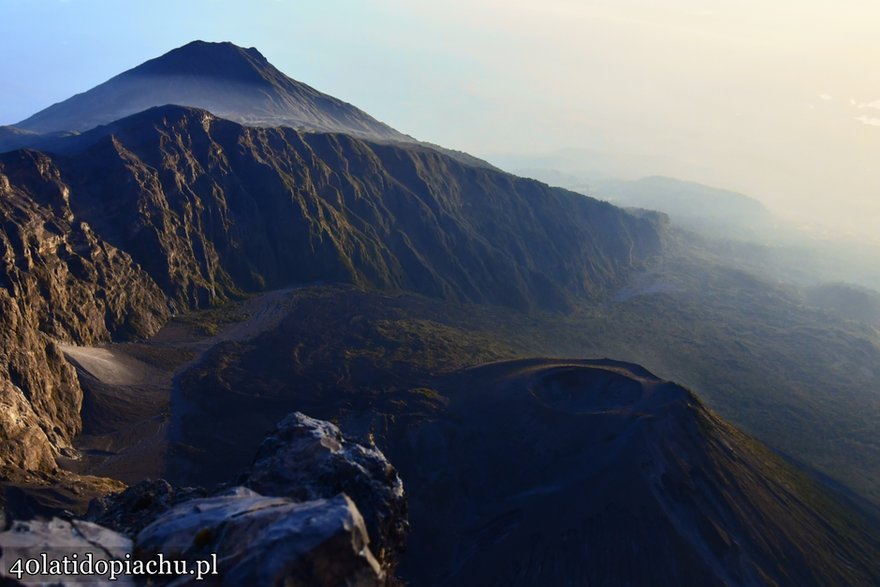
column 230, row 81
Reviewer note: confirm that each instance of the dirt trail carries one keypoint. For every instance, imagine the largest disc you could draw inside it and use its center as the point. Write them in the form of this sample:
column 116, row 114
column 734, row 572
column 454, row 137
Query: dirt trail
column 132, row 412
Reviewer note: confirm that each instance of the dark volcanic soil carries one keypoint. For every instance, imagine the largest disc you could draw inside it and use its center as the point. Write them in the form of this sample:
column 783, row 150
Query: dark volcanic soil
column 526, row 472
column 549, row 472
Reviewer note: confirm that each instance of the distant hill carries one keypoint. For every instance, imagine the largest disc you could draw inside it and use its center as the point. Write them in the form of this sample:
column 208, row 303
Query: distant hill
column 686, row 200
column 700, row 208
column 12, row 134
column 847, row 300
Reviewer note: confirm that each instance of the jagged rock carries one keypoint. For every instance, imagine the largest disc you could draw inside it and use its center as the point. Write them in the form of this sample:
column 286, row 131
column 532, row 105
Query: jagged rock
column 306, row 459
column 24, row 443
column 209, row 207
column 58, row 281
column 58, row 538
column 268, row 540
column 138, row 506
column 305, row 473
column 25, row 495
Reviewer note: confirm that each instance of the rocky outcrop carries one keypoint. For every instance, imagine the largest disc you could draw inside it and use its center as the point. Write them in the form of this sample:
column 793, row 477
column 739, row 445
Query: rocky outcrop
column 240, row 537
column 138, row 506
column 268, row 540
column 25, row 443
column 307, row 459
column 305, row 530
column 58, row 281
column 320, row 509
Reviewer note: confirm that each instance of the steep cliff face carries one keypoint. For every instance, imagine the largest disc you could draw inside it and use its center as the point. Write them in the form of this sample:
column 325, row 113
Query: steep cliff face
column 58, row 282
column 76, row 286
column 208, row 206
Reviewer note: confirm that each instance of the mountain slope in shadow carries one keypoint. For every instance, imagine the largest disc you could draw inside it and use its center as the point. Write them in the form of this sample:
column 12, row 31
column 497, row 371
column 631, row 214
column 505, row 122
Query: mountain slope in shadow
column 209, row 207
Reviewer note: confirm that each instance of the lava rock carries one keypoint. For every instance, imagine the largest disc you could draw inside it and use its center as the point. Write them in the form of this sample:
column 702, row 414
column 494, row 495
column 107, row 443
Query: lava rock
column 138, row 506
column 307, row 459
column 267, row 540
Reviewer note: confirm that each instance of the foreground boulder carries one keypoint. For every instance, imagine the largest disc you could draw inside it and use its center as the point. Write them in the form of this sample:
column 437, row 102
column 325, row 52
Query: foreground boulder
column 296, row 524
column 267, row 540
column 307, row 459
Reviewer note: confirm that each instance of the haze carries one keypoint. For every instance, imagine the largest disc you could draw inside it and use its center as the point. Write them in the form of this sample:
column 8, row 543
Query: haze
column 777, row 100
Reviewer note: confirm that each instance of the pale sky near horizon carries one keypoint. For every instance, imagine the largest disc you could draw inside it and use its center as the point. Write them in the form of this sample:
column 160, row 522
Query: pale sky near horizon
column 777, row 99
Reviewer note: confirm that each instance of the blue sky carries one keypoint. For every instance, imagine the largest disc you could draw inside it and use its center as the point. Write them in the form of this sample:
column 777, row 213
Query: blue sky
column 773, row 98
